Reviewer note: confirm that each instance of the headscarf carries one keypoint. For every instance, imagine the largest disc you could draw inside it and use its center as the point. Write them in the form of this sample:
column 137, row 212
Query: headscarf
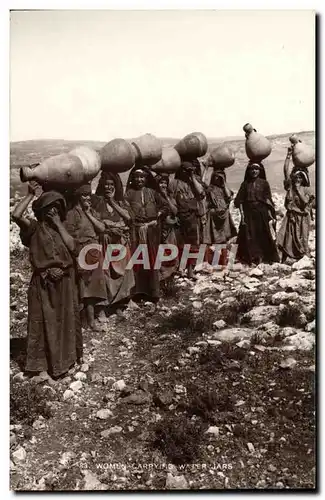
column 49, row 198
column 218, row 173
column 182, row 175
column 150, row 180
column 304, row 173
column 100, row 191
column 83, row 190
column 260, row 165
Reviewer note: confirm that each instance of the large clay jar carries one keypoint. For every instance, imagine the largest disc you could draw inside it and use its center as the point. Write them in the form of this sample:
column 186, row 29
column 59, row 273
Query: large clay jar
column 257, row 146
column 117, row 156
column 170, row 162
column 222, row 157
column 302, row 154
column 192, row 146
column 147, row 149
column 90, row 160
column 61, row 170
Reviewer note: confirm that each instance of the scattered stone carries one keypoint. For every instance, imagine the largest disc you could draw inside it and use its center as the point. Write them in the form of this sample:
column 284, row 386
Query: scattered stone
column 67, row 457
column 19, row 377
column 256, row 272
column 176, row 482
column 213, row 343
column 139, row 397
column 260, row 315
column 92, row 482
column 213, row 430
column 261, row 484
column 104, row 414
column 42, row 377
column 288, row 363
column 197, row 304
column 38, row 424
column 310, row 327
column 260, row 348
column 232, row 334
column 80, row 376
column 281, row 297
column 193, row 350
column 133, row 305
column 311, row 368
column 303, row 341
column 250, row 447
column 295, row 284
column 113, row 430
column 19, row 455
column 95, row 377
column 84, row 367
column 67, row 394
column 287, row 331
column 119, row 385
column 243, row 344
column 219, row 324
column 270, row 328
column 76, row 386
column 272, row 468
column 180, row 389
column 201, row 343
column 164, row 398
column 304, row 263
column 279, row 484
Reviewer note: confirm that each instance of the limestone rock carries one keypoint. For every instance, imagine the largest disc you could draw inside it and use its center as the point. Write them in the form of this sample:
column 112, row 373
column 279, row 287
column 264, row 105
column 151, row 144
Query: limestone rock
column 310, row 327
column 219, row 324
column 104, row 414
column 119, row 385
column 176, row 482
column 76, row 386
column 19, row 455
column 281, row 297
column 288, row 363
column 67, row 394
column 232, row 334
column 303, row 341
column 304, row 263
column 260, row 315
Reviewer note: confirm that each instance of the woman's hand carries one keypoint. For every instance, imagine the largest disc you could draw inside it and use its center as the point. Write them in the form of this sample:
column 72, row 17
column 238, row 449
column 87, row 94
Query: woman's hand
column 289, row 152
column 33, row 187
column 54, row 217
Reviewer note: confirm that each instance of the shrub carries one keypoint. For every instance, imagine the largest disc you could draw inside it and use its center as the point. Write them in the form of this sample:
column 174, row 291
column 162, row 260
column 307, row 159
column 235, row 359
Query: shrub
column 290, row 315
column 27, row 403
column 178, row 439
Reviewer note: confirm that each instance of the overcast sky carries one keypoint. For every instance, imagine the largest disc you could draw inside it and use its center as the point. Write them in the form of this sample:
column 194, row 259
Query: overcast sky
column 105, row 74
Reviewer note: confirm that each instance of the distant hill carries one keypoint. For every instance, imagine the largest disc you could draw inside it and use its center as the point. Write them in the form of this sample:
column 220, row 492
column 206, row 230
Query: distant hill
column 28, row 152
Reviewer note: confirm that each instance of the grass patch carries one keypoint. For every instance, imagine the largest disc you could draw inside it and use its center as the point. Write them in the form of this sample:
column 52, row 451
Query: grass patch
column 27, row 403
column 290, row 315
column 178, row 439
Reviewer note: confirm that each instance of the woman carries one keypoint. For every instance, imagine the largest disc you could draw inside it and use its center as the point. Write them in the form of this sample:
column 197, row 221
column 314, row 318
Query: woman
column 82, row 224
column 114, row 217
column 294, row 231
column 220, row 227
column 147, row 207
column 256, row 237
column 168, row 225
column 188, row 191
column 54, row 341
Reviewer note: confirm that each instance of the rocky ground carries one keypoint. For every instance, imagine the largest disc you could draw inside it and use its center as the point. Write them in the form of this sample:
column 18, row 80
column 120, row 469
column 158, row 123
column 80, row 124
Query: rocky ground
column 211, row 389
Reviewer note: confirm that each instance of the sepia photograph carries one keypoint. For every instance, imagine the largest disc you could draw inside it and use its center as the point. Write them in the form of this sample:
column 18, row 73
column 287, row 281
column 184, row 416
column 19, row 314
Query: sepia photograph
column 163, row 215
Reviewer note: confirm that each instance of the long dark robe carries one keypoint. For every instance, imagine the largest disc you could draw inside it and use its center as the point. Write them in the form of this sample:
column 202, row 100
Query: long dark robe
column 255, row 242
column 119, row 280
column 220, row 226
column 293, row 234
column 145, row 205
column 54, row 340
column 191, row 211
column 91, row 283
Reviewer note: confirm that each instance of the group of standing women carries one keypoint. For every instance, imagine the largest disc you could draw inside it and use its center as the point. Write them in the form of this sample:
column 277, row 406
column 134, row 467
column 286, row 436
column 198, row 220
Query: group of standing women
column 181, row 210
